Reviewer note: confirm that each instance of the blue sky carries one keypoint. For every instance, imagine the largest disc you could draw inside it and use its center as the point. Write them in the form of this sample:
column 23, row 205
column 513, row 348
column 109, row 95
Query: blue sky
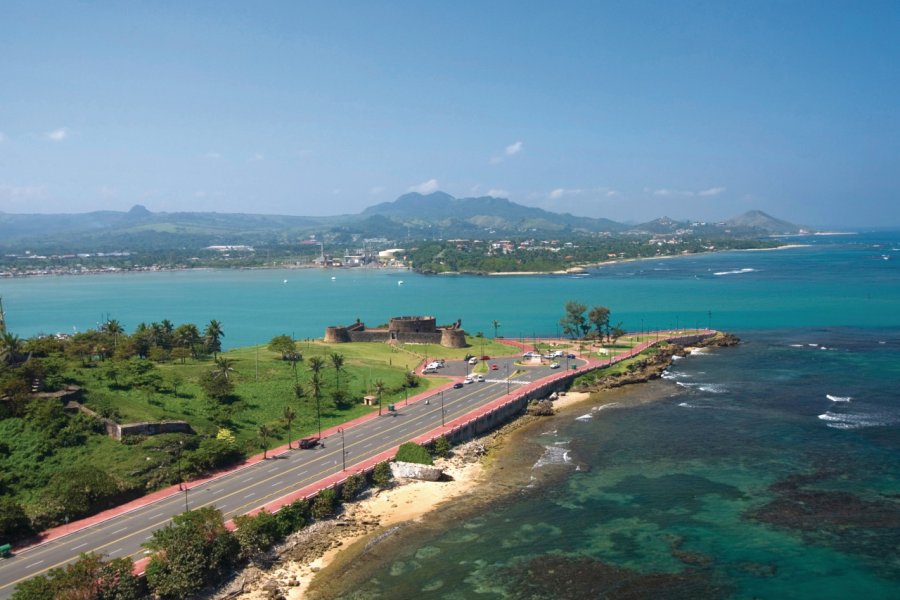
column 626, row 110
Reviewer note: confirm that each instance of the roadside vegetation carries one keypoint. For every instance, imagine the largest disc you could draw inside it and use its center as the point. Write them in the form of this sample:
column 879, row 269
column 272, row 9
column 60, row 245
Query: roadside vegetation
column 58, row 397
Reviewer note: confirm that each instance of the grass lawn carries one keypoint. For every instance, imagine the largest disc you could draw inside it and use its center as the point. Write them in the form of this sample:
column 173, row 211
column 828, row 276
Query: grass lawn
column 264, row 386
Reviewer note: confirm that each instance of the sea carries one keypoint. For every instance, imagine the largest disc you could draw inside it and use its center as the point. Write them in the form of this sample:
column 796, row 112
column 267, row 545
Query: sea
column 766, row 470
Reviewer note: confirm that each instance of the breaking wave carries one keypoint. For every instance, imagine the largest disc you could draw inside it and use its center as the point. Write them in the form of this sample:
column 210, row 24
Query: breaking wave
column 838, row 398
column 553, row 455
column 735, row 271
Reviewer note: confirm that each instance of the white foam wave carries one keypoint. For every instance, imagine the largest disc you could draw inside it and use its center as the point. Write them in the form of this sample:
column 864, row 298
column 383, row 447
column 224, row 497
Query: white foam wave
column 586, row 417
column 838, row 398
column 553, row 455
column 735, row 272
column 676, row 357
column 699, row 351
column 855, row 421
column 685, row 405
column 796, row 345
column 712, row 388
column 668, row 375
column 604, row 406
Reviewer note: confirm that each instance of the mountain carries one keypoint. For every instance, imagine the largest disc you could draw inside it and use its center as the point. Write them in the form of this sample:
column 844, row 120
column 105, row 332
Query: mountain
column 411, row 216
column 484, row 212
column 757, row 220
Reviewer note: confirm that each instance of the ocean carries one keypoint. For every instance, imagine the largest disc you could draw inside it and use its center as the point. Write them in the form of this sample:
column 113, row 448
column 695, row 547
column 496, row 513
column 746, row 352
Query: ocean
column 766, row 470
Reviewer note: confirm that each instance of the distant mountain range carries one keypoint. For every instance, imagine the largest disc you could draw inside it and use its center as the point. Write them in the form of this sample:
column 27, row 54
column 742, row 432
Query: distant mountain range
column 412, row 215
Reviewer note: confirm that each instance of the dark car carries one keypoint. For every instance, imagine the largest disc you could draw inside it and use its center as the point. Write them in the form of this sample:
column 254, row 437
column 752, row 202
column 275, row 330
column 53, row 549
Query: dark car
column 485, row 357
column 457, row 385
column 309, row 442
column 570, row 356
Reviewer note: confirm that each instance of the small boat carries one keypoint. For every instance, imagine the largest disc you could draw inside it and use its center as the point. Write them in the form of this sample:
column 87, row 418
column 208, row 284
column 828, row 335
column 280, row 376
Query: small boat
column 400, row 282
column 333, row 278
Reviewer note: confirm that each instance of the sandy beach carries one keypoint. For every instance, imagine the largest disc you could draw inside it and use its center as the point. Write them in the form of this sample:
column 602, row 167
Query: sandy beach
column 407, row 501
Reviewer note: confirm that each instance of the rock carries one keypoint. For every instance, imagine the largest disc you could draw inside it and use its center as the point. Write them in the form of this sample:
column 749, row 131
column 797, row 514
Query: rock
column 416, row 471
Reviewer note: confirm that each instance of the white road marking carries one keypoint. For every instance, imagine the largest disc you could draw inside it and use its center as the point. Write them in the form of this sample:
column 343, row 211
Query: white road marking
column 272, row 470
column 275, row 484
column 80, row 546
column 34, row 564
column 120, row 529
column 159, row 514
column 111, row 552
column 250, row 494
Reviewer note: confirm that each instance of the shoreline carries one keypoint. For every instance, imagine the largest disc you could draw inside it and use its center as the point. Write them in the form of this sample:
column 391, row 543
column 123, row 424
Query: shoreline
column 381, row 513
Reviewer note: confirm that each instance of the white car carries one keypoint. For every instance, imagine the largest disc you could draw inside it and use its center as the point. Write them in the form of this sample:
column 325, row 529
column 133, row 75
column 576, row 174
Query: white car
column 554, row 365
column 479, row 378
column 473, row 361
column 468, row 380
column 557, row 354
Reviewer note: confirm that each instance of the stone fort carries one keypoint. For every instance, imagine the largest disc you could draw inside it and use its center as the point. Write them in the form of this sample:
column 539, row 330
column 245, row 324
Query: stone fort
column 402, row 330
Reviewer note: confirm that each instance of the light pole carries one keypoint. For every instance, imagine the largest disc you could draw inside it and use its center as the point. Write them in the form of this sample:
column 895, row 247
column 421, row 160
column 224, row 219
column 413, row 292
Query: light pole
column 442, row 408
column 343, row 450
column 186, row 509
column 507, row 379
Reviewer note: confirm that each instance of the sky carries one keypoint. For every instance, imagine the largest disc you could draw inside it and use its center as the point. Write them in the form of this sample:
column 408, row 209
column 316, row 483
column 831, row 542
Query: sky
column 626, row 110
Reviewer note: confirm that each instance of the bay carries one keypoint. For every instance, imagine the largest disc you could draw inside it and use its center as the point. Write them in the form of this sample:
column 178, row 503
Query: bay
column 842, row 280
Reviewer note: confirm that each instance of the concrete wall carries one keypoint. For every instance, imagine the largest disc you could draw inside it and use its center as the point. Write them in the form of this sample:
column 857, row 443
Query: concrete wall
column 453, row 338
column 413, row 324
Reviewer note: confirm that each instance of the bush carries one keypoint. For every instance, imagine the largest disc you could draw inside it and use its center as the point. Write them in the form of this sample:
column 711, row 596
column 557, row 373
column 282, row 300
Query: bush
column 442, row 447
column 411, row 452
column 88, row 577
column 325, row 505
column 14, row 523
column 352, row 487
column 382, row 475
column 292, row 517
column 257, row 534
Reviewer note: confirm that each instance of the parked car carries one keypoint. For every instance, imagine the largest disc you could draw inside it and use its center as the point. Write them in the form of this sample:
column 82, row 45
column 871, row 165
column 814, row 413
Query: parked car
column 457, row 385
column 473, row 361
column 531, row 355
column 570, row 356
column 485, row 357
column 493, row 367
column 429, row 370
column 309, row 442
column 554, row 365
column 557, row 354
column 479, row 377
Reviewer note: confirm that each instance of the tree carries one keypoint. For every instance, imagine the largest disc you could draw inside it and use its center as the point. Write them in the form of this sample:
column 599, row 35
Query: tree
column 181, row 353
column 282, row 344
column 337, row 361
column 288, row 414
column 413, row 453
column 187, row 336
column 88, row 578
column 382, row 475
column 217, row 389
column 190, row 552
column 380, row 387
column 325, row 504
column 616, row 332
column 256, row 534
column 316, row 364
column 264, row 432
column 14, row 523
column 223, row 368
column 574, row 323
column 496, row 325
column 599, row 318
column 212, row 337
column 315, row 386
column 10, row 348
column 352, row 487
column 442, row 447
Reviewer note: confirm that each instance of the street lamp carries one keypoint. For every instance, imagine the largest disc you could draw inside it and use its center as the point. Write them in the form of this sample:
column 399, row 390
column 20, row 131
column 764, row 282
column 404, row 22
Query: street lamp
column 507, row 378
column 442, row 408
column 186, row 509
column 343, row 450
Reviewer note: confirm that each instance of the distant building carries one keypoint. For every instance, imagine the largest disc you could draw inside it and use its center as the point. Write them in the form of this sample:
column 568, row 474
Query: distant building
column 403, row 330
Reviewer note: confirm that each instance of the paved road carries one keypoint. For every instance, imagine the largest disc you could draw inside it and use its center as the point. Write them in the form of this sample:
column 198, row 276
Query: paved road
column 243, row 490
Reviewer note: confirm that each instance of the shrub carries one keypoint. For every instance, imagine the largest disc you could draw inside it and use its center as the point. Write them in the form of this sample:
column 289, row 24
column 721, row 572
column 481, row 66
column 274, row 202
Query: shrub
column 325, row 505
column 88, row 577
column 352, row 487
column 257, row 534
column 292, row 517
column 442, row 447
column 413, row 453
column 382, row 475
column 14, row 523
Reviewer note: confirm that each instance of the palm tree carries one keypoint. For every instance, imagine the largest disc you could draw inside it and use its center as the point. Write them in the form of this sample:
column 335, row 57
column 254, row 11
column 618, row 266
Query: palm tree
column 315, row 386
column 223, row 368
column 316, row 364
column 264, row 432
column 379, row 386
column 337, row 360
column 10, row 347
column 288, row 414
column 212, row 337
column 496, row 325
column 115, row 329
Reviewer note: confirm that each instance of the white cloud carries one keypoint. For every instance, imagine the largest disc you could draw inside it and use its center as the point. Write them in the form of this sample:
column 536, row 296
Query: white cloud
column 256, row 157
column 510, row 150
column 713, row 191
column 498, row 193
column 426, row 187
column 107, row 191
column 560, row 192
column 57, row 135
column 612, row 193
column 2, row 137
column 513, row 148
column 212, row 155
column 21, row 193
column 376, row 189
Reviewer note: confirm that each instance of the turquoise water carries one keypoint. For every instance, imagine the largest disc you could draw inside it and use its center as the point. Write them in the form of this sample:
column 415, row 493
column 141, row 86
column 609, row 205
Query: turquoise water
column 769, row 470
column 837, row 281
